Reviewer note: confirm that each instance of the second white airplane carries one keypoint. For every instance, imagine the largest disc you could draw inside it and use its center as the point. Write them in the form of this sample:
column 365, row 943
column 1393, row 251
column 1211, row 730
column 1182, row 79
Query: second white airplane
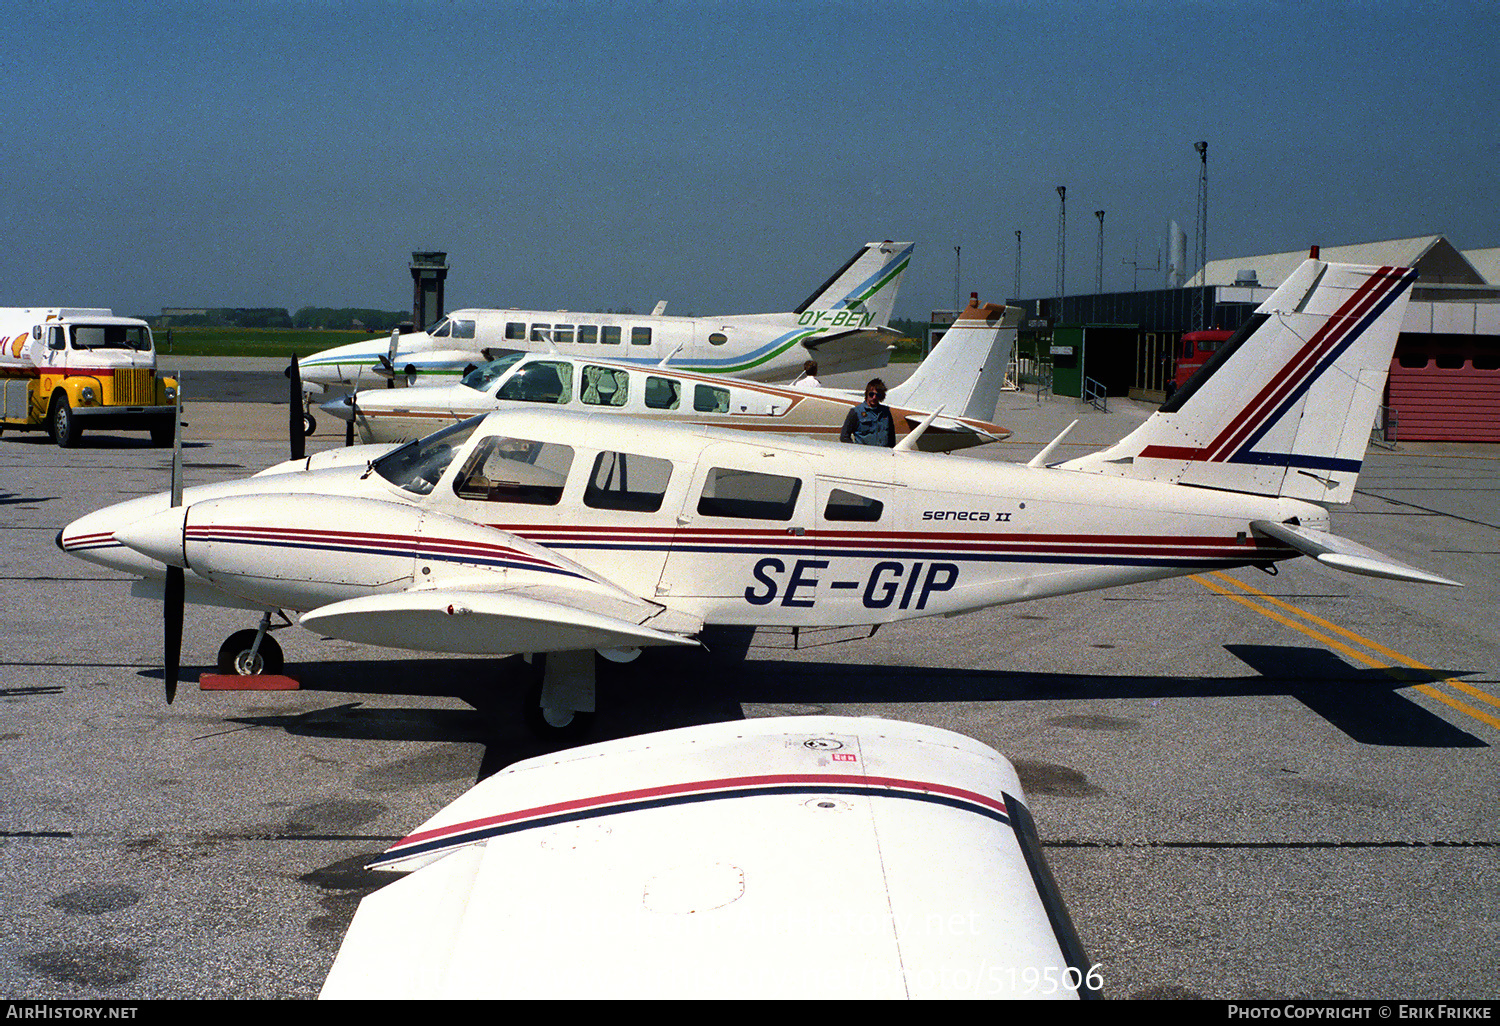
column 961, row 379
column 842, row 325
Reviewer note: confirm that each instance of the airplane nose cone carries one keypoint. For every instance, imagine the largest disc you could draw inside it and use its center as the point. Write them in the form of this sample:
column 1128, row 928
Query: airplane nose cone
column 339, row 408
column 159, row 536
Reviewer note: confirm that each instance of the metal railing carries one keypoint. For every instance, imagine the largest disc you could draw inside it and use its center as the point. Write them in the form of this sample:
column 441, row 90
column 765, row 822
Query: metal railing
column 1096, row 395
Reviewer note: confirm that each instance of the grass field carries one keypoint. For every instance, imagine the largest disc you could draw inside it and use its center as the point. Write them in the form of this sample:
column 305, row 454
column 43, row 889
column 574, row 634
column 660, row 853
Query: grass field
column 281, row 342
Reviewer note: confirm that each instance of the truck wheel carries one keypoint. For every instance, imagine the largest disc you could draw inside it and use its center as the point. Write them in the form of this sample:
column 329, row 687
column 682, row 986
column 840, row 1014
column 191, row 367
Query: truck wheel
column 162, row 435
column 65, row 428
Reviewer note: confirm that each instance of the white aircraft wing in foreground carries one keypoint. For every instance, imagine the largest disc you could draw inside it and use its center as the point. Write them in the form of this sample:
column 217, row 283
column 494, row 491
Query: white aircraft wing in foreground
column 794, row 857
column 557, row 534
column 843, row 325
column 959, row 382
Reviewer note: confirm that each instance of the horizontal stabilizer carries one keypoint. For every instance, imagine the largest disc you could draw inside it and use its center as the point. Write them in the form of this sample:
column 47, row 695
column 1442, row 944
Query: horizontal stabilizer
column 479, row 623
column 1343, row 554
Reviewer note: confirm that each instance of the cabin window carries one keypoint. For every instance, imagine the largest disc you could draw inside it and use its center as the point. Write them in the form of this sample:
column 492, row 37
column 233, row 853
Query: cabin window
column 588, row 334
column 749, row 495
column 515, row 331
column 708, row 399
column 417, row 466
column 463, row 329
column 628, row 482
column 640, row 336
column 562, row 334
column 601, row 386
column 609, row 335
column 541, row 332
column 505, row 469
column 844, row 505
column 663, row 393
column 542, row 381
column 718, row 338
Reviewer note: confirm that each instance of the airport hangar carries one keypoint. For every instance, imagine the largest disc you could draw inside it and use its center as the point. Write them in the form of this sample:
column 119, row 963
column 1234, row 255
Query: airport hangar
column 1444, row 383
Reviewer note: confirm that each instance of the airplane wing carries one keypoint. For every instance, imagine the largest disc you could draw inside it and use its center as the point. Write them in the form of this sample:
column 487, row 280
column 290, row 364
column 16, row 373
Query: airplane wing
column 480, row 623
column 1344, row 554
column 812, row 857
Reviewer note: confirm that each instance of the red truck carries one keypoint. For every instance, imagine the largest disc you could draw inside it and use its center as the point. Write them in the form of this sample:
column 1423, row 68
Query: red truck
column 1194, row 351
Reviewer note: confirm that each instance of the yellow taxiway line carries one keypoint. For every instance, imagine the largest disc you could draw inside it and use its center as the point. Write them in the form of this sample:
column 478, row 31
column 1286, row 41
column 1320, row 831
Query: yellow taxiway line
column 1268, row 606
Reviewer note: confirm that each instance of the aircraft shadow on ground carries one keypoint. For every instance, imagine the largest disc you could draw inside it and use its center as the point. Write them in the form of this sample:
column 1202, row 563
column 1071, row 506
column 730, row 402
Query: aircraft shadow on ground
column 680, row 688
column 101, row 440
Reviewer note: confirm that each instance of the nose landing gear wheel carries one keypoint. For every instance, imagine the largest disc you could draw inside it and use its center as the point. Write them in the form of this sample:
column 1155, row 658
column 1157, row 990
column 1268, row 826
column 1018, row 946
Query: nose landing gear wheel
column 234, row 654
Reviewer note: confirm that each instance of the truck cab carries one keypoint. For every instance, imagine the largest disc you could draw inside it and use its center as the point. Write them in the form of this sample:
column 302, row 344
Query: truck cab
column 1193, row 352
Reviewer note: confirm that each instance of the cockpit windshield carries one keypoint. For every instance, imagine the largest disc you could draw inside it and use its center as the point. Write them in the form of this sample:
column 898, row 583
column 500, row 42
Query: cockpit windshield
column 417, row 466
column 483, row 377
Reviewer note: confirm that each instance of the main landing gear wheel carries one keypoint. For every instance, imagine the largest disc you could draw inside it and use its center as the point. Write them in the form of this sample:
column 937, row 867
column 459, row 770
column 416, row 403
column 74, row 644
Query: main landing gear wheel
column 560, row 725
column 234, row 654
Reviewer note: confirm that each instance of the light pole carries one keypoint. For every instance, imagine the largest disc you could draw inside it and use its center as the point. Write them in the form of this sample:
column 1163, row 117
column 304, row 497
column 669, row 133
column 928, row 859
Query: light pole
column 1062, row 234
column 1017, row 293
column 957, row 253
column 1099, row 279
column 1202, row 148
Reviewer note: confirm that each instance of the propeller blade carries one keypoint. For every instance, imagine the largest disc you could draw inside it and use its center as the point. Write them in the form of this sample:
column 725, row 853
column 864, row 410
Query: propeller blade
column 172, row 619
column 177, row 452
column 173, row 595
column 353, row 412
column 295, row 435
column 389, row 360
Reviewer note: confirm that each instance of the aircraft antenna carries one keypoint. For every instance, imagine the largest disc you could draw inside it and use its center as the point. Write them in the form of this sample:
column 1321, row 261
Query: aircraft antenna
column 1135, row 266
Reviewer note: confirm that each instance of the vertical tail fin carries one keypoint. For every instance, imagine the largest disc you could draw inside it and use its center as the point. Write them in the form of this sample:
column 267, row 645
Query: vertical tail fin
column 1284, row 407
column 866, row 285
column 966, row 370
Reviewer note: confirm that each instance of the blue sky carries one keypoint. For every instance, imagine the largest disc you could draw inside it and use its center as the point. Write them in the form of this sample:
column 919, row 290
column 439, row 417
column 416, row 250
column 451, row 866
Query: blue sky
column 723, row 156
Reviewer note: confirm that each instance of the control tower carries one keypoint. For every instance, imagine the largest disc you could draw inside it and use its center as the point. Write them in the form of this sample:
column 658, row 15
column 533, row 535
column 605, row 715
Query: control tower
column 428, row 272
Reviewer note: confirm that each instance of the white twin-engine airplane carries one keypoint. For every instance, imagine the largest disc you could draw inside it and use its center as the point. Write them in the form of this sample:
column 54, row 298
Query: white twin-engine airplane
column 843, row 326
column 960, row 379
column 557, row 533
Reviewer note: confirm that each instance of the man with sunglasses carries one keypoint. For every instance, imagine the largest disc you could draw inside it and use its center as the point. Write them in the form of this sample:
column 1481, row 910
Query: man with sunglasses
column 870, row 422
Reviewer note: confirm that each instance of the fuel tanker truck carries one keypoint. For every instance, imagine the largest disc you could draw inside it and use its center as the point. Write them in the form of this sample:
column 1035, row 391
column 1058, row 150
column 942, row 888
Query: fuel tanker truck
column 70, row 369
